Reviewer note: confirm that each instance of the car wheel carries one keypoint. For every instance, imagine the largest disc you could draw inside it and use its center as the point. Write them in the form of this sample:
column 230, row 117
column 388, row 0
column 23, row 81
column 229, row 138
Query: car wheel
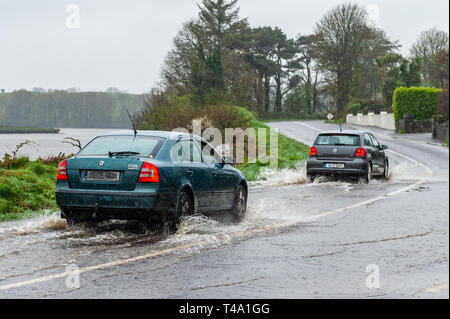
column 240, row 204
column 185, row 207
column 386, row 171
column 310, row 178
column 368, row 175
column 69, row 219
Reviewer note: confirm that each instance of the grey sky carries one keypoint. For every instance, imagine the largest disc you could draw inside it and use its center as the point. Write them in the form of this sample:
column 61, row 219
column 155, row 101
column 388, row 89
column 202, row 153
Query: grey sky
column 123, row 43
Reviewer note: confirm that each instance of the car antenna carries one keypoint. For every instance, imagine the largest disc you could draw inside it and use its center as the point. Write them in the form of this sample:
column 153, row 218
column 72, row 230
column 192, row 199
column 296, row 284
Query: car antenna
column 340, row 126
column 132, row 123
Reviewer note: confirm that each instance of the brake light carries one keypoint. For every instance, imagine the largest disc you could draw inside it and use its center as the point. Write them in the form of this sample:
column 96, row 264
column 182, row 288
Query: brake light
column 360, row 152
column 312, row 151
column 61, row 173
column 149, row 173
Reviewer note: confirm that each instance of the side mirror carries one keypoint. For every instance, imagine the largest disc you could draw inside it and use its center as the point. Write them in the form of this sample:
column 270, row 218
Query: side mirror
column 228, row 160
column 384, row 147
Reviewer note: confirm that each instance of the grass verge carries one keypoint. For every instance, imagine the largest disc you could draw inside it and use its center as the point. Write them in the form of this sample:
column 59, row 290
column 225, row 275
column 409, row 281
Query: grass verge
column 26, row 190
column 290, row 152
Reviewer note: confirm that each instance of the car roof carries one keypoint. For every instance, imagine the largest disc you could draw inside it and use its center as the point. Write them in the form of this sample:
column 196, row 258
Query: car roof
column 161, row 134
column 352, row 132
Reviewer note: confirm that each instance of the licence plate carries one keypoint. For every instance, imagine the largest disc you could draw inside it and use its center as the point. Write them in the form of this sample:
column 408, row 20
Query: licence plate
column 330, row 165
column 107, row 176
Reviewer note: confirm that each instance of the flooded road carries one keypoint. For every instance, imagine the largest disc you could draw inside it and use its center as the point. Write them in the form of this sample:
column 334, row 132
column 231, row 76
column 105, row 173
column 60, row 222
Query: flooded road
column 298, row 240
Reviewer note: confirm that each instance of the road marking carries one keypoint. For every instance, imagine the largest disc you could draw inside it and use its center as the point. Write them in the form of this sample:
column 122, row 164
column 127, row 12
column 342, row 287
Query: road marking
column 233, row 235
column 437, row 288
column 106, row 265
column 309, row 126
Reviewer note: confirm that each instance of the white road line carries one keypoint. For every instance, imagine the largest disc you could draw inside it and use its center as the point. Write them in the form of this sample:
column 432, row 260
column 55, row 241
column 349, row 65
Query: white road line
column 235, row 235
column 309, row 126
column 435, row 289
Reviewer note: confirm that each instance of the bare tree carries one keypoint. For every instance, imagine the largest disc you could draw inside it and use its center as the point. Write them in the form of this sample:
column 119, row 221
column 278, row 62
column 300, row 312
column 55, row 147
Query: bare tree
column 344, row 38
column 429, row 43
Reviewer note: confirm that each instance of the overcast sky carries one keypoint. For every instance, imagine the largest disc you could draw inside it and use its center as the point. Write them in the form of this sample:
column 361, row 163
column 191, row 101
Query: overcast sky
column 122, row 43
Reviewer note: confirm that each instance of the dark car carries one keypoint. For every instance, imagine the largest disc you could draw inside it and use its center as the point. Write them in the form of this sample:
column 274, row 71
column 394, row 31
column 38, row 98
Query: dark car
column 352, row 153
column 150, row 176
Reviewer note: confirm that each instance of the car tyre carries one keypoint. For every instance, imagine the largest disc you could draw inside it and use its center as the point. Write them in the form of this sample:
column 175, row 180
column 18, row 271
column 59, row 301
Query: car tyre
column 368, row 175
column 386, row 171
column 185, row 207
column 70, row 220
column 240, row 204
column 310, row 178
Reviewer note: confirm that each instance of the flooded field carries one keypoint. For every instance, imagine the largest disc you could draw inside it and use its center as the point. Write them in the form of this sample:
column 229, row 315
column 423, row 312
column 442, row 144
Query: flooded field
column 47, row 144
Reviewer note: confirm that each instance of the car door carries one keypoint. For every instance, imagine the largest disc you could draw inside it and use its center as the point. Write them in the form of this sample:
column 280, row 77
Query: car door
column 380, row 155
column 371, row 151
column 194, row 172
column 223, row 180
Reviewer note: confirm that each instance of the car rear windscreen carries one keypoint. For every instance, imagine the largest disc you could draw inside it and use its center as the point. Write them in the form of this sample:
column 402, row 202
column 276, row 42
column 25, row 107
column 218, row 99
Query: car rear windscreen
column 145, row 146
column 338, row 140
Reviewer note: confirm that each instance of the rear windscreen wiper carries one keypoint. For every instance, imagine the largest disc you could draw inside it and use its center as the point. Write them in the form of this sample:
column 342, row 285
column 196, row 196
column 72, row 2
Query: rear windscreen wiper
column 125, row 153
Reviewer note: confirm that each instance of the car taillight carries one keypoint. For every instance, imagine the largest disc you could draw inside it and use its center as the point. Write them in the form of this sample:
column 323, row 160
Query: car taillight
column 312, row 151
column 149, row 173
column 360, row 152
column 61, row 173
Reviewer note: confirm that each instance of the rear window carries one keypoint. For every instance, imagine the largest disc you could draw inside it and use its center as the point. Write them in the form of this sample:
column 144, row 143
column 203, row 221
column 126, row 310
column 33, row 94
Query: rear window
column 338, row 140
column 144, row 145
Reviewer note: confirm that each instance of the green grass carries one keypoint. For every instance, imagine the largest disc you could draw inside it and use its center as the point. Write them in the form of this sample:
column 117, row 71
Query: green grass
column 27, row 130
column 446, row 143
column 27, row 190
column 290, row 152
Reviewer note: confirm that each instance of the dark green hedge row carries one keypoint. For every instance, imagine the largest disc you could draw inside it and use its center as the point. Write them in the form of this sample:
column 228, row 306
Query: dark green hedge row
column 24, row 130
column 418, row 101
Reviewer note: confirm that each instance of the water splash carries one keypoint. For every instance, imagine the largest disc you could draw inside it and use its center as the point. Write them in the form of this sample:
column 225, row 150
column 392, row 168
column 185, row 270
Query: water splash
column 282, row 177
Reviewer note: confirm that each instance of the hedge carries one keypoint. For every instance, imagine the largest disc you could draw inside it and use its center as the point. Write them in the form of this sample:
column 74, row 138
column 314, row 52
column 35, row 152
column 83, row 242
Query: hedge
column 418, row 101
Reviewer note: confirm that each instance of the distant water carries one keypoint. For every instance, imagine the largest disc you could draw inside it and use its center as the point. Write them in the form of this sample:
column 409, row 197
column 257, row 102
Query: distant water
column 48, row 144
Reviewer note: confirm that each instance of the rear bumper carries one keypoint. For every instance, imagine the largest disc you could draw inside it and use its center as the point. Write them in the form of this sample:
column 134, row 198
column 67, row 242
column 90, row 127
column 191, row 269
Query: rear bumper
column 114, row 204
column 358, row 166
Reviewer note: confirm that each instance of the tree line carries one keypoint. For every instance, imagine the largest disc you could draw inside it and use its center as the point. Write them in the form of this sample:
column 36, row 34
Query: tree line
column 218, row 56
column 64, row 109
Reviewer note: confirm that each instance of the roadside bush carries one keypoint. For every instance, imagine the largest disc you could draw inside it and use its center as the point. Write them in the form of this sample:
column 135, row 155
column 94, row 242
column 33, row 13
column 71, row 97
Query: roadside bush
column 418, row 101
column 11, row 162
column 55, row 160
column 225, row 116
column 179, row 112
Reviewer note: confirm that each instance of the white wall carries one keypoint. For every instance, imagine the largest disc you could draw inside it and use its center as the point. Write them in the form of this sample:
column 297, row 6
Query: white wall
column 384, row 120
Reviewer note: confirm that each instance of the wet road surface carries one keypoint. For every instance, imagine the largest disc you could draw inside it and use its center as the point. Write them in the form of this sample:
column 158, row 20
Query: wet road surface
column 298, row 240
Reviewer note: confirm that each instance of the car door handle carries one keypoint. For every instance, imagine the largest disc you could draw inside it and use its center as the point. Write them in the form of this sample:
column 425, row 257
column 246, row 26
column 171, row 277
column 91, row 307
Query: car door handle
column 190, row 172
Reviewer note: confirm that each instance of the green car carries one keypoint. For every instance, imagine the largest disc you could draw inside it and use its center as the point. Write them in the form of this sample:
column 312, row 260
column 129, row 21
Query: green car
column 149, row 176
